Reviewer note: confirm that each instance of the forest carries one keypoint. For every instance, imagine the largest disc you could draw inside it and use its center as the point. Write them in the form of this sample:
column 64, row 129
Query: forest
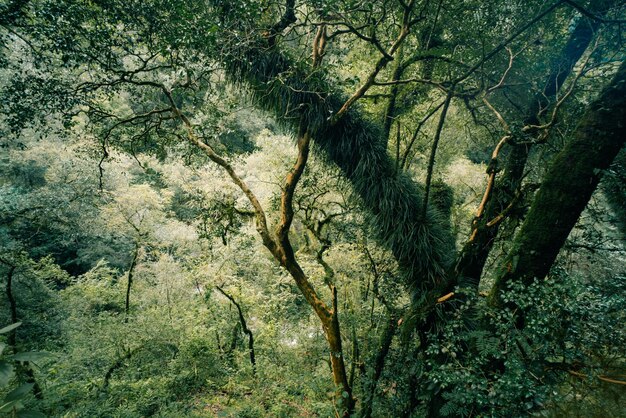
column 312, row 208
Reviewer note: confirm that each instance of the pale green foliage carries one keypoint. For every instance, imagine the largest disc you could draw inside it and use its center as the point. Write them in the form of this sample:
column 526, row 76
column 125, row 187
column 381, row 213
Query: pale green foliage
column 85, row 208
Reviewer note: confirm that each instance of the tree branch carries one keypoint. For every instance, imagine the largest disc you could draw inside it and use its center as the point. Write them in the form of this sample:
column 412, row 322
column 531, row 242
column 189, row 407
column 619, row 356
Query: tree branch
column 286, row 205
column 244, row 327
column 382, row 63
column 591, row 15
column 421, row 123
column 433, row 151
column 508, row 40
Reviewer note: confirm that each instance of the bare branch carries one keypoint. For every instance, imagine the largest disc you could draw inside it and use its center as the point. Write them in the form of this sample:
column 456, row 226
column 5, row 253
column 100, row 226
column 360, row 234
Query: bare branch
column 319, row 45
column 382, row 63
column 244, row 327
column 491, row 170
column 592, row 16
column 416, row 132
column 506, row 72
column 508, row 40
column 503, row 122
column 410, row 80
column 546, row 126
column 261, row 220
column 433, row 151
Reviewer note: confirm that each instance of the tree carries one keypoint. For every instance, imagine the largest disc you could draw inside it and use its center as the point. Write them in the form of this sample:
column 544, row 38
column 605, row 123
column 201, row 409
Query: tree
column 568, row 185
column 145, row 84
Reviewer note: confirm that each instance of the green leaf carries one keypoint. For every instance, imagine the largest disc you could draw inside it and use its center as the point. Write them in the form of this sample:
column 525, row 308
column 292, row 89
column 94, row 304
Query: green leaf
column 10, row 328
column 8, row 407
column 2, row 347
column 32, row 356
column 19, row 392
column 6, row 371
column 30, row 414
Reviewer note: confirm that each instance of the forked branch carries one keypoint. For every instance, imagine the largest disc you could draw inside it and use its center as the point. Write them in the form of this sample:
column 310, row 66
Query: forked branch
column 387, row 57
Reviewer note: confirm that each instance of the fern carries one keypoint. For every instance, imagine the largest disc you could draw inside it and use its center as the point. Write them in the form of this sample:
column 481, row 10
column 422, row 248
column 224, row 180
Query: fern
column 422, row 243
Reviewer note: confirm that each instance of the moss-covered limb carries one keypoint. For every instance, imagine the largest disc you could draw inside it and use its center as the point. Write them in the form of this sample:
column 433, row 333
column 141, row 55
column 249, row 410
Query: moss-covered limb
column 568, row 186
column 423, row 245
column 471, row 261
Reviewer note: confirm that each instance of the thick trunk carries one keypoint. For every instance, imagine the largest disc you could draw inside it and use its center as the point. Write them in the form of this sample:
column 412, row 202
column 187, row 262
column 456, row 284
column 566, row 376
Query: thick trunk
column 472, row 259
column 614, row 187
column 568, row 186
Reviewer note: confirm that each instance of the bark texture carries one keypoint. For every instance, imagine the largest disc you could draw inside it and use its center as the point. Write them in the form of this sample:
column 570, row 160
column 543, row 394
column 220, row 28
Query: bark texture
column 568, row 186
column 472, row 259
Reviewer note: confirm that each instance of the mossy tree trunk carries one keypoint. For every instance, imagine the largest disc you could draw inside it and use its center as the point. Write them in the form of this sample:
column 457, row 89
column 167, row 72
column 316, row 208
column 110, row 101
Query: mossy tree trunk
column 567, row 187
column 471, row 261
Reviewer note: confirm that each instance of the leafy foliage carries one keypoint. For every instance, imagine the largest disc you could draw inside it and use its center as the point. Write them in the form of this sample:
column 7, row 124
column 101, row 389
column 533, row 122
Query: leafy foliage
column 104, row 200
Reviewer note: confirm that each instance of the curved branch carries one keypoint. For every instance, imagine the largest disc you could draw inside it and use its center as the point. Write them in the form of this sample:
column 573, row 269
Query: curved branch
column 508, row 40
column 591, row 15
column 287, row 19
column 286, row 204
column 421, row 123
column 244, row 327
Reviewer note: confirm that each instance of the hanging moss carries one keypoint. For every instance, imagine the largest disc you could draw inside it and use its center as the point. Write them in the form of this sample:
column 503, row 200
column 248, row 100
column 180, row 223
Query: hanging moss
column 422, row 243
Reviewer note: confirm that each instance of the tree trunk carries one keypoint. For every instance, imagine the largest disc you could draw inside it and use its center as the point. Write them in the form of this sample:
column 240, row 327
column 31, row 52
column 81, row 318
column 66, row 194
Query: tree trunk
column 129, row 284
column 25, row 369
column 472, row 259
column 330, row 324
column 567, row 187
column 614, row 187
column 390, row 110
column 12, row 306
column 378, row 365
column 244, row 327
